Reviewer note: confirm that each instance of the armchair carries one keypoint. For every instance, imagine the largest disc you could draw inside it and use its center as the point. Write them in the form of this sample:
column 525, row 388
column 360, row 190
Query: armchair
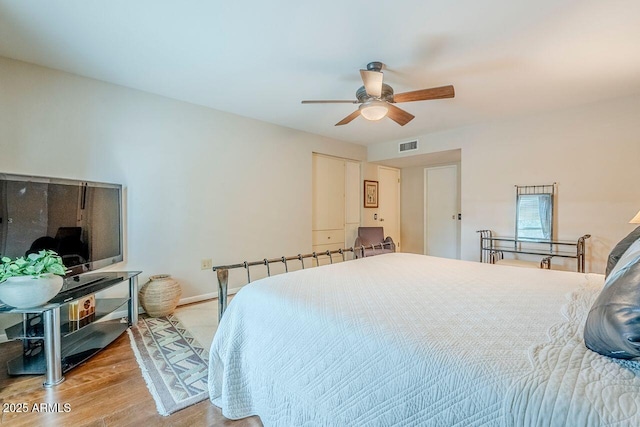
column 372, row 238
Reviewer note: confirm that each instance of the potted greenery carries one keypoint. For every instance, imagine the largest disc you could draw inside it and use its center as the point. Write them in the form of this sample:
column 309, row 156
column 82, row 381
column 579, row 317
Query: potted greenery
column 30, row 281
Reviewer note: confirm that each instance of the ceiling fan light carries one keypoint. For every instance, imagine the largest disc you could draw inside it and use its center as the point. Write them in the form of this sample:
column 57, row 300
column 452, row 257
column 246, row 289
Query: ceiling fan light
column 374, row 110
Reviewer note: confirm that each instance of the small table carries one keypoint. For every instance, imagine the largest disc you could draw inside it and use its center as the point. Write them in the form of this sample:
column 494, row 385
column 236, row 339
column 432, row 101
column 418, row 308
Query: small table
column 69, row 343
column 492, row 248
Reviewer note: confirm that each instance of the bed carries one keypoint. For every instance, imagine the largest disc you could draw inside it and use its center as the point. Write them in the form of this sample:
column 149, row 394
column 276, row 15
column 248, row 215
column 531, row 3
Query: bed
column 404, row 339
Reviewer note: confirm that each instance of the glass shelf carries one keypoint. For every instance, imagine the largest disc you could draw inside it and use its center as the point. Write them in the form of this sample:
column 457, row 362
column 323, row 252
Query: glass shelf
column 71, row 290
column 563, row 254
column 76, row 348
column 537, row 241
column 104, row 307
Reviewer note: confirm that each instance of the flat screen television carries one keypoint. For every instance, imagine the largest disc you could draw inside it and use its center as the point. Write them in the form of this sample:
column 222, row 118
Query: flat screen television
column 80, row 220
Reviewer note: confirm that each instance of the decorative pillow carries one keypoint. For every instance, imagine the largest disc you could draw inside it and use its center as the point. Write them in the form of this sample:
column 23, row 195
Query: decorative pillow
column 613, row 324
column 620, row 249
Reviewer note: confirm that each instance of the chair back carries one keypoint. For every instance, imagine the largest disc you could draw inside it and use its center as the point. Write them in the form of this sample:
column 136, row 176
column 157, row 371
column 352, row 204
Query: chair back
column 371, row 235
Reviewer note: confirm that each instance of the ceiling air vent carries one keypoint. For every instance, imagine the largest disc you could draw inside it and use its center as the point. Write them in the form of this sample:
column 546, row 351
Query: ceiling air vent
column 407, row 146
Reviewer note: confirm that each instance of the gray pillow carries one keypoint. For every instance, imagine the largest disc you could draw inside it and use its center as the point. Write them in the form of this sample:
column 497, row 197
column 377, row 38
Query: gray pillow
column 613, row 324
column 620, row 249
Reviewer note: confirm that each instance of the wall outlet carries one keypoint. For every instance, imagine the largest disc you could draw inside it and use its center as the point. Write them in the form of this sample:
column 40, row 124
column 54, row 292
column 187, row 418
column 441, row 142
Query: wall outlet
column 206, row 264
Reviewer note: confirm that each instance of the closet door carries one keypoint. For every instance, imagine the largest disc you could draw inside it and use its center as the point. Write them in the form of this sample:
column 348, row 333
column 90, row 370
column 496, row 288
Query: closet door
column 328, row 203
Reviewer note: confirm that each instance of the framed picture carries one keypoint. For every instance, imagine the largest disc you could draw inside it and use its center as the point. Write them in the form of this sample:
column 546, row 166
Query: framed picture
column 371, row 194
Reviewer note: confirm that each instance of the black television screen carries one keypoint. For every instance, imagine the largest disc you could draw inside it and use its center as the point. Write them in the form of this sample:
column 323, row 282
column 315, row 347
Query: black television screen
column 81, row 221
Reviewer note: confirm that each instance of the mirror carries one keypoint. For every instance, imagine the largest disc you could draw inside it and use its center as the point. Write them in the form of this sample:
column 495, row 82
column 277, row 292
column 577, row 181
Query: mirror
column 534, row 212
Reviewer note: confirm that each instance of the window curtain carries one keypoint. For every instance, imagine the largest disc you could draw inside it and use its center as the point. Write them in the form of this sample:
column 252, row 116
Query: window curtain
column 534, row 216
column 544, row 210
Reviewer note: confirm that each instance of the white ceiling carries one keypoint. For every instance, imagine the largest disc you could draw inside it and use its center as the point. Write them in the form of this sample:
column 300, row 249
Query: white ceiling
column 260, row 59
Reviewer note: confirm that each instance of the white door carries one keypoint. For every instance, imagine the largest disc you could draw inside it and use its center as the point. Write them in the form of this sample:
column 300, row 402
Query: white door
column 389, row 202
column 441, row 211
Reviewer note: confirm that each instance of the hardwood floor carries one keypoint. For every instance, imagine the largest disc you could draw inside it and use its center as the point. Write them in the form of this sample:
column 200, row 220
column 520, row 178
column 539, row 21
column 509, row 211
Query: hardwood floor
column 108, row 390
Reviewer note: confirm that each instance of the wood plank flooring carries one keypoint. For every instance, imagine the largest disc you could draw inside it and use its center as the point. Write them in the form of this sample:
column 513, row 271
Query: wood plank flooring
column 108, row 390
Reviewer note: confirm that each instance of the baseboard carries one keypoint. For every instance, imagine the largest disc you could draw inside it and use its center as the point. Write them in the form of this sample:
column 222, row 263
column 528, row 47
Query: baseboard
column 205, row 297
column 116, row 315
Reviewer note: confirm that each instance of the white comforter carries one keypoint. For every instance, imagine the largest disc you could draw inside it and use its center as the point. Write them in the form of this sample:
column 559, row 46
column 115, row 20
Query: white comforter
column 403, row 339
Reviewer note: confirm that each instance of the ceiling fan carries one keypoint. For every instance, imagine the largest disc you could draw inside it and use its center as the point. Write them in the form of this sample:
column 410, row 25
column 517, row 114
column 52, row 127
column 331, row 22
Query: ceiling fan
column 377, row 99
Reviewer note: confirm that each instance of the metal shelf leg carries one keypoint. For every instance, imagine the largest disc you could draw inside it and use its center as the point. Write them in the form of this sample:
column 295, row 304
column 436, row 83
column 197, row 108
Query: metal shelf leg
column 133, row 301
column 52, row 350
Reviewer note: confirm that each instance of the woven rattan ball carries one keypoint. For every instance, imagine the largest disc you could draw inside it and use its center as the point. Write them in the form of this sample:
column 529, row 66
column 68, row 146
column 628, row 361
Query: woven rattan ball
column 160, row 295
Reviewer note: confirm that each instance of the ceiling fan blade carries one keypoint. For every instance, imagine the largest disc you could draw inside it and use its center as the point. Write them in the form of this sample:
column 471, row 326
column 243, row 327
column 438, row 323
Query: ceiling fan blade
column 329, row 101
column 349, row 118
column 425, row 94
column 398, row 115
column 372, row 82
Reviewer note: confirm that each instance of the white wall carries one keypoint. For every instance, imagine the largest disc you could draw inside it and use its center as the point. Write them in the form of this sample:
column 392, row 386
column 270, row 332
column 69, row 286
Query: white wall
column 412, row 209
column 592, row 152
column 199, row 183
column 369, row 173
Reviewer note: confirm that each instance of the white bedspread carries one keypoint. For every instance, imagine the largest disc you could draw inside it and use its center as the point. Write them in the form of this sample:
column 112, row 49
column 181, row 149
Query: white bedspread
column 403, row 339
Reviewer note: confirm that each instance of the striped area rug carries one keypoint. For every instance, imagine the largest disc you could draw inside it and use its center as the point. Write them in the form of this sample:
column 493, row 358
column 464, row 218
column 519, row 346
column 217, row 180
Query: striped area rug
column 173, row 363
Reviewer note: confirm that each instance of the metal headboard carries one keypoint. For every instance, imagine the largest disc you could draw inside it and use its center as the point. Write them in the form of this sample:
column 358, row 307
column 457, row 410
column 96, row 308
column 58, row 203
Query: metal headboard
column 222, row 271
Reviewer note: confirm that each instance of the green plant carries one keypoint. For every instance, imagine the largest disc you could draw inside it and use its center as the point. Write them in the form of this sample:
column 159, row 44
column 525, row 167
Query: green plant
column 35, row 265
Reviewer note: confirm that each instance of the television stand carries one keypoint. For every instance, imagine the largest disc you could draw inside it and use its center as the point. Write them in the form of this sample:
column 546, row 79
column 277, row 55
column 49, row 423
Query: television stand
column 68, row 343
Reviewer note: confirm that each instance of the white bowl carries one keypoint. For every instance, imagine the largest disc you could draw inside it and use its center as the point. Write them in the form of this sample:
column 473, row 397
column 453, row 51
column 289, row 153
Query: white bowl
column 27, row 291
